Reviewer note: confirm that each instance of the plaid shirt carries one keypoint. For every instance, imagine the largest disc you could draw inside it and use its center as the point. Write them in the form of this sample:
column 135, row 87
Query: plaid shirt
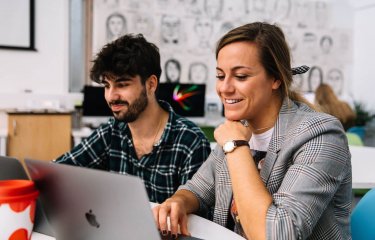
column 177, row 156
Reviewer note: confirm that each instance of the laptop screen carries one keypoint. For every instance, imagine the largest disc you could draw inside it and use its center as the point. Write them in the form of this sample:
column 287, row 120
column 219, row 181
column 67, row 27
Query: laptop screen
column 186, row 99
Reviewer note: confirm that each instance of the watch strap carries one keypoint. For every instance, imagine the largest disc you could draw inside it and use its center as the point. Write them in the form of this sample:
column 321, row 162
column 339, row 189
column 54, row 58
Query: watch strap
column 238, row 143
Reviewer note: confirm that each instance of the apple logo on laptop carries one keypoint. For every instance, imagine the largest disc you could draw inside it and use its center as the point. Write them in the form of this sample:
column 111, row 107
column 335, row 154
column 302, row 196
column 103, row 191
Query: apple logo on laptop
column 91, row 218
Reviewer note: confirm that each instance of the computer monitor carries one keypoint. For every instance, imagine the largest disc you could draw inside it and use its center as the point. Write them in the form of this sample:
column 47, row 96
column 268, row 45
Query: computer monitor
column 95, row 109
column 94, row 103
column 186, row 99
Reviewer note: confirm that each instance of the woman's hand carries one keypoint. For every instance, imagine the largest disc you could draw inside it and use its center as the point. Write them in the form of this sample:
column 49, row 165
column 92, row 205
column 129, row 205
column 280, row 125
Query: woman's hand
column 175, row 210
column 231, row 130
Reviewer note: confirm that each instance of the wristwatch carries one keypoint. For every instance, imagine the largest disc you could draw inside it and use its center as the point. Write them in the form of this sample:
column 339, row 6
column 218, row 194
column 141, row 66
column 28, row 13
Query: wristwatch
column 233, row 144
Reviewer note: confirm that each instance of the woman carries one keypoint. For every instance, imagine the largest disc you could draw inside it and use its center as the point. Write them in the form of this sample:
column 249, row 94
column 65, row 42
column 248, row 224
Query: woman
column 315, row 78
column 116, row 26
column 328, row 102
column 300, row 186
column 172, row 69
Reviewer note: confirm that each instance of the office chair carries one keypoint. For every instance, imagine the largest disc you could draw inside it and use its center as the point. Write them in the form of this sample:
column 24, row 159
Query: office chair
column 360, row 131
column 354, row 139
column 363, row 218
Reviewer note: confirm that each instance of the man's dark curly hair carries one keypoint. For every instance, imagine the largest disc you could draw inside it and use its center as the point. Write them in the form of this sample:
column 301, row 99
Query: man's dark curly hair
column 129, row 55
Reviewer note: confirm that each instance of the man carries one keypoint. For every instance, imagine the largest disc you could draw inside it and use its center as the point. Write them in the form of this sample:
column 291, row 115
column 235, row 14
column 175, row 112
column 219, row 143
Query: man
column 145, row 137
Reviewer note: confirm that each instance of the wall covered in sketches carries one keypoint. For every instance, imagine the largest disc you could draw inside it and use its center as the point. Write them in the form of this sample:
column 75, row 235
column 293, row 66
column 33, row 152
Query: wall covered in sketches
column 187, row 30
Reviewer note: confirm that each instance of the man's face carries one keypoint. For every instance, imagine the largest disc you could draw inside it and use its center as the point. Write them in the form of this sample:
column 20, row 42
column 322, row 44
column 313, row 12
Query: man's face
column 203, row 28
column 126, row 96
column 170, row 27
column 335, row 80
column 213, row 7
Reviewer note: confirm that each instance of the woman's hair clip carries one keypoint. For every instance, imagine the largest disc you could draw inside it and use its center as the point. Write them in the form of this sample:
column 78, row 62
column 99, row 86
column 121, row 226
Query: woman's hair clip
column 300, row 70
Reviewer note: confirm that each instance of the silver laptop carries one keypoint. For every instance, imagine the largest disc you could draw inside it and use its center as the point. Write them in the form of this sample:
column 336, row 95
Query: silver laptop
column 11, row 168
column 83, row 203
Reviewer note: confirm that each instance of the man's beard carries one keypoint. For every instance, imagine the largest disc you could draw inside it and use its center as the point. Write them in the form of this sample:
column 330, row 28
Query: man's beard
column 134, row 109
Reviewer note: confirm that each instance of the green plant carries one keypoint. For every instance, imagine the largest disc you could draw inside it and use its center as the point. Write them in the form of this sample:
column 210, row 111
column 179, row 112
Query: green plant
column 363, row 115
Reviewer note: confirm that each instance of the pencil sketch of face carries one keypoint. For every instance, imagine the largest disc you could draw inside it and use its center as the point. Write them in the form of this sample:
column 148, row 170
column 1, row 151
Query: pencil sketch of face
column 315, row 78
column 326, row 44
column 203, row 29
column 213, row 8
column 310, row 43
column 170, row 29
column 198, row 72
column 172, row 70
column 321, row 13
column 116, row 26
column 336, row 80
column 193, row 8
column 303, row 13
column 235, row 8
column 226, row 27
column 143, row 24
column 259, row 5
column 282, row 9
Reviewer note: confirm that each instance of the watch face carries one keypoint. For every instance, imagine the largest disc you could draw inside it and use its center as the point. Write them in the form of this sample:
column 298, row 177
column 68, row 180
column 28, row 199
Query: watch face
column 228, row 146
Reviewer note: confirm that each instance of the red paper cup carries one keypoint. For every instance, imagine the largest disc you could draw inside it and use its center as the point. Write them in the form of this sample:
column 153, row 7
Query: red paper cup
column 17, row 209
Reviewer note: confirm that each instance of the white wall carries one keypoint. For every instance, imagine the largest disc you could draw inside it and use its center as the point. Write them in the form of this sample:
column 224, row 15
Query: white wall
column 44, row 73
column 46, row 70
column 363, row 83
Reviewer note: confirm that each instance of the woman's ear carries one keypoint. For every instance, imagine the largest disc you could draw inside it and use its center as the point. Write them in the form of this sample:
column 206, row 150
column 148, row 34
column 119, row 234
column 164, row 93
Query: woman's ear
column 276, row 84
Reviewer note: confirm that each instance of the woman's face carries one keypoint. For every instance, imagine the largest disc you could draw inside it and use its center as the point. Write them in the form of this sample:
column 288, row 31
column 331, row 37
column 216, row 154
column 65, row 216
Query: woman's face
column 335, row 80
column 326, row 44
column 242, row 83
column 173, row 72
column 315, row 78
column 116, row 25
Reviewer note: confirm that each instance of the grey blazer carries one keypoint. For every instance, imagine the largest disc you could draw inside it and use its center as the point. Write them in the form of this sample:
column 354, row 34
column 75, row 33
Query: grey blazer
column 307, row 171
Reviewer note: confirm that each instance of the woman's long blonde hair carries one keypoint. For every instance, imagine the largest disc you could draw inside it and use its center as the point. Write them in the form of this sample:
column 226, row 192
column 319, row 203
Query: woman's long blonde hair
column 327, row 101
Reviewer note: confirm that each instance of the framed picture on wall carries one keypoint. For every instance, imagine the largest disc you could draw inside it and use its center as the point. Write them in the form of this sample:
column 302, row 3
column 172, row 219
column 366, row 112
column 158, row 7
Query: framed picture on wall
column 17, row 24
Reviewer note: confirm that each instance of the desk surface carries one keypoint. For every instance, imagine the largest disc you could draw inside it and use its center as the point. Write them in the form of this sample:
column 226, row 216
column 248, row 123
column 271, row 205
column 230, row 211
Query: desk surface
column 363, row 165
column 39, row 236
column 198, row 227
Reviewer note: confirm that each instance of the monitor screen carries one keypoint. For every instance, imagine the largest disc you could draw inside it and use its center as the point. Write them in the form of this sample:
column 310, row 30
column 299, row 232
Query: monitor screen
column 186, row 99
column 94, row 103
